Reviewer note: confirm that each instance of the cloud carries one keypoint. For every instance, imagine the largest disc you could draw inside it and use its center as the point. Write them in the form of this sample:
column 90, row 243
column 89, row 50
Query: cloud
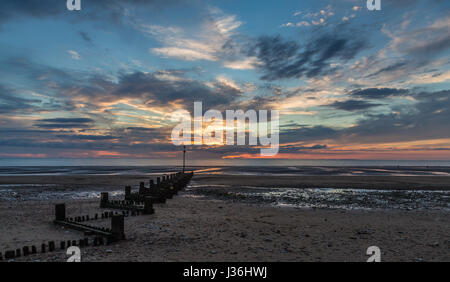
column 426, row 41
column 64, row 123
column 321, row 21
column 378, row 93
column 183, row 54
column 353, row 105
column 212, row 42
column 302, row 23
column 67, row 120
column 74, row 54
column 244, row 64
column 426, row 119
column 150, row 90
column 282, row 59
column 289, row 24
column 11, row 102
column 85, row 36
column 308, row 133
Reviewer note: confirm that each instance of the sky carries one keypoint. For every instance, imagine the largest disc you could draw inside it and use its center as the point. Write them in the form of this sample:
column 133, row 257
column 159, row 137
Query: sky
column 102, row 82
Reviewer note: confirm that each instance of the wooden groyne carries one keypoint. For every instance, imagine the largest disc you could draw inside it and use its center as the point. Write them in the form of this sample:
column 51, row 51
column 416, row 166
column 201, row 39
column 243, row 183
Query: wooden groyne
column 133, row 204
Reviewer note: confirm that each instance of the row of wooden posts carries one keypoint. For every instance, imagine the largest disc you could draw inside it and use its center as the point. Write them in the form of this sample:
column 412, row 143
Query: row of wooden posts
column 51, row 247
column 140, row 202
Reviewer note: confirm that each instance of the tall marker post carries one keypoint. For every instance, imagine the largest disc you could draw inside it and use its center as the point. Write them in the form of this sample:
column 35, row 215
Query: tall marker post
column 184, row 157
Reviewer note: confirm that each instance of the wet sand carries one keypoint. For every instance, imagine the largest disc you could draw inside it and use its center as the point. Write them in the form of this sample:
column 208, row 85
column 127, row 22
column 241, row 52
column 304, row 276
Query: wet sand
column 191, row 228
column 327, row 181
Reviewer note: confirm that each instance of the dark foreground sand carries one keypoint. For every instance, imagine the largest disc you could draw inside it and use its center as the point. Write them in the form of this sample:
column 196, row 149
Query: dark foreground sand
column 190, row 228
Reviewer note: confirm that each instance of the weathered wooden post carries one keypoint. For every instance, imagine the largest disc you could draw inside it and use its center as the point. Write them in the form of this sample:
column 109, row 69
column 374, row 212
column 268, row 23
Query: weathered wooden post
column 26, row 251
column 152, row 183
column 60, row 212
column 127, row 192
column 104, row 199
column 148, row 206
column 141, row 188
column 158, row 180
column 118, row 227
column 10, row 254
column 51, row 246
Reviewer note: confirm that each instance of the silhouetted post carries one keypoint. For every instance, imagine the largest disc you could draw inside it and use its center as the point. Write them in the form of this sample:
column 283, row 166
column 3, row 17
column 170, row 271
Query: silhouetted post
column 148, row 206
column 104, row 199
column 117, row 226
column 127, row 191
column 10, row 254
column 60, row 212
column 184, row 157
column 141, row 188
column 51, row 246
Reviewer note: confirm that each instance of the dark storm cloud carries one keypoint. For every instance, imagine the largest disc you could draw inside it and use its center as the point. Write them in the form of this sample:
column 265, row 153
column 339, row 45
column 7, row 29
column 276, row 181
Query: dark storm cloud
column 378, row 93
column 287, row 59
column 353, row 105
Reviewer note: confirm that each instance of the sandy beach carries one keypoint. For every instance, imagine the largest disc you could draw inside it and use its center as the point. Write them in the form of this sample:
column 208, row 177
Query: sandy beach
column 202, row 227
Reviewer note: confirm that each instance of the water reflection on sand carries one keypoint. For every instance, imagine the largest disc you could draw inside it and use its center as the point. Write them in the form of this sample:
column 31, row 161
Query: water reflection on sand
column 333, row 198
